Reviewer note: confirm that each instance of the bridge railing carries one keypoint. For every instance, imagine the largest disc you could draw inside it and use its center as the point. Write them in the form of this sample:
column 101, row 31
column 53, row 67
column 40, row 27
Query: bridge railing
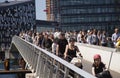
column 27, row 51
column 45, row 64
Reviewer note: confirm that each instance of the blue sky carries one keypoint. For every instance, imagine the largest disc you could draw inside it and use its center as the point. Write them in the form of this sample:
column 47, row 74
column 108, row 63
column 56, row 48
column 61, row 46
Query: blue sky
column 40, row 6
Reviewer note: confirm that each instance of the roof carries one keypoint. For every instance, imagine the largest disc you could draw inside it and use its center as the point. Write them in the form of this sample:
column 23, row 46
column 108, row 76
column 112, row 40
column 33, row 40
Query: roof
column 4, row 4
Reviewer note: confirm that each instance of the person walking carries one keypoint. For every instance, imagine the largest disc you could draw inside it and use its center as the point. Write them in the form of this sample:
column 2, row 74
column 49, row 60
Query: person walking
column 71, row 50
column 61, row 45
column 98, row 66
column 115, row 36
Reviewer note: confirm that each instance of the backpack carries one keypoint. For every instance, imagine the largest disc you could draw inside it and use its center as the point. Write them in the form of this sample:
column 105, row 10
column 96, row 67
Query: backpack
column 104, row 74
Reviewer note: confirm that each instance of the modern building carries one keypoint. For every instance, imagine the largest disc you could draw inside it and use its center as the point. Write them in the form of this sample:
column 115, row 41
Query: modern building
column 46, row 25
column 15, row 16
column 48, row 10
column 52, row 10
column 86, row 14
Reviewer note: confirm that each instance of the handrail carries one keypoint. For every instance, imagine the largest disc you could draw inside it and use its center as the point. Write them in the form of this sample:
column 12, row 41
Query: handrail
column 42, row 61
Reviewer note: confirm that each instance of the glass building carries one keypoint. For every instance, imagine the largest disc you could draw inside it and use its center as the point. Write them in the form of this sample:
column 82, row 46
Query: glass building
column 15, row 16
column 86, row 14
column 42, row 25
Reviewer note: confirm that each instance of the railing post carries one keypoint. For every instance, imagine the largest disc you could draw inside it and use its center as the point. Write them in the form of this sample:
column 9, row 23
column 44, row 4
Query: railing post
column 57, row 70
column 45, row 68
column 51, row 71
column 38, row 65
column 41, row 67
column 66, row 72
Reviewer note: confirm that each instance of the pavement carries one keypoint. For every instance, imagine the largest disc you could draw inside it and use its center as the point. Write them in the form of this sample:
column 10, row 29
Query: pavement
column 87, row 66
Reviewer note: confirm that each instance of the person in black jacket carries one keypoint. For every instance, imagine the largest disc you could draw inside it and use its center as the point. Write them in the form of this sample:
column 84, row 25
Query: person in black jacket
column 46, row 42
column 61, row 45
column 98, row 66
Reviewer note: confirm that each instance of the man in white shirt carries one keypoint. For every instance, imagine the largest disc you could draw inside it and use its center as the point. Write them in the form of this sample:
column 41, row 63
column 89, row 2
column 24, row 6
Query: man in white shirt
column 115, row 36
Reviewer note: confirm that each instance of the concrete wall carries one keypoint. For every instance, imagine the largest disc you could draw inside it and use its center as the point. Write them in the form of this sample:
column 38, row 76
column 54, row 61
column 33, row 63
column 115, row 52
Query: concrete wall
column 88, row 51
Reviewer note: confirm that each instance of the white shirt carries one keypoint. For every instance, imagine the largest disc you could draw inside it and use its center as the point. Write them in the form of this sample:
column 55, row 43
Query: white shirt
column 54, row 46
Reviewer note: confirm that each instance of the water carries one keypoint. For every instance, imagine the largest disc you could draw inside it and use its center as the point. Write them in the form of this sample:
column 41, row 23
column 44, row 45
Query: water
column 13, row 65
column 1, row 65
column 6, row 75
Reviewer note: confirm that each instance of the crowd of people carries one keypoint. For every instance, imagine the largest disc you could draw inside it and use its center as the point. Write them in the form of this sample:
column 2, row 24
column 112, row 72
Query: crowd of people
column 60, row 43
column 93, row 37
column 63, row 45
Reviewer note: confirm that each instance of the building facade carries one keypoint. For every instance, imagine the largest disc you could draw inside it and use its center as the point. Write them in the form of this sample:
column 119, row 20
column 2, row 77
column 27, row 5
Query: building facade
column 52, row 10
column 42, row 26
column 86, row 14
column 15, row 17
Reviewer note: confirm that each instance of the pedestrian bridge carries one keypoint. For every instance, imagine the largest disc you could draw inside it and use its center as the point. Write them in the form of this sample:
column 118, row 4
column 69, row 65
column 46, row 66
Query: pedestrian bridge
column 44, row 64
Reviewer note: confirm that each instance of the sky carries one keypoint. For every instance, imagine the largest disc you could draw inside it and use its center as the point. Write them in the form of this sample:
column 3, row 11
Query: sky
column 40, row 6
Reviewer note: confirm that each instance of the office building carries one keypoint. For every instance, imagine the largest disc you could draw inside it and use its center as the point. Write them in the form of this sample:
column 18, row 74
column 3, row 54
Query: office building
column 86, row 14
column 15, row 16
column 42, row 26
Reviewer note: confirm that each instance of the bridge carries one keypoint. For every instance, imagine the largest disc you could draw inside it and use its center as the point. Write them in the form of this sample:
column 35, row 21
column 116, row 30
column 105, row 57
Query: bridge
column 44, row 64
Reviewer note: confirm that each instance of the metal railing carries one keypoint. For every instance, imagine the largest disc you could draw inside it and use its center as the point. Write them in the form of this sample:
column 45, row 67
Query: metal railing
column 45, row 64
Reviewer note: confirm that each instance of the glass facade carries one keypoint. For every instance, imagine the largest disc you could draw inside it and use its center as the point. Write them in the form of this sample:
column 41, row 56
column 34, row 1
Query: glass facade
column 42, row 26
column 85, row 14
column 14, row 18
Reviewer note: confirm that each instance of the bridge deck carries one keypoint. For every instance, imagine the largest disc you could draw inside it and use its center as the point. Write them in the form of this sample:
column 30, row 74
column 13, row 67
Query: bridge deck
column 14, row 71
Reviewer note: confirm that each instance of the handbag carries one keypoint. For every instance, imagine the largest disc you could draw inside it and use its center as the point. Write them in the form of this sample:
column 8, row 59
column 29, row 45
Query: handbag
column 77, row 62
